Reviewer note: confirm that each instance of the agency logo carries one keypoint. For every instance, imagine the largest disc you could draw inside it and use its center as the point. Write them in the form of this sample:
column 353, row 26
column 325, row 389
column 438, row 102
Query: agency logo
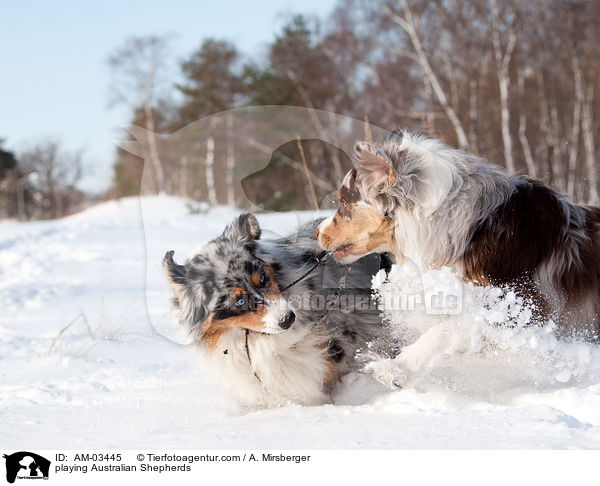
column 26, row 465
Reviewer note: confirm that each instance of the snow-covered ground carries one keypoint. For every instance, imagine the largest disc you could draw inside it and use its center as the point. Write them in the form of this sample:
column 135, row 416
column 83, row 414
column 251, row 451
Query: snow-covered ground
column 89, row 356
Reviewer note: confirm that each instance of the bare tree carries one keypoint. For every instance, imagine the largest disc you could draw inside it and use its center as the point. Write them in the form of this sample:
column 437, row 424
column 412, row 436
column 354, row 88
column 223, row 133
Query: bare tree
column 508, row 80
column 310, row 187
column 529, row 162
column 578, row 95
column 590, row 152
column 183, row 176
column 139, row 69
column 502, row 57
column 52, row 174
column 409, row 24
column 230, row 167
column 210, row 170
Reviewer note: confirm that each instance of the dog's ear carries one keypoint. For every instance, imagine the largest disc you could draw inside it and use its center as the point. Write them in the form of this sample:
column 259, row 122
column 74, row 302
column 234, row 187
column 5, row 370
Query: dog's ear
column 245, row 226
column 381, row 172
column 175, row 273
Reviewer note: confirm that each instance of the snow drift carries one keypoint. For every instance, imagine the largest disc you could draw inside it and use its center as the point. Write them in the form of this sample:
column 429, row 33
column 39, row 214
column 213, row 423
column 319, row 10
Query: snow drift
column 89, row 356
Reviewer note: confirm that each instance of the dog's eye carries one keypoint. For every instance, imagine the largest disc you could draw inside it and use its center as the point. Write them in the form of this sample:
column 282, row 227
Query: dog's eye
column 345, row 210
column 241, row 302
column 262, row 279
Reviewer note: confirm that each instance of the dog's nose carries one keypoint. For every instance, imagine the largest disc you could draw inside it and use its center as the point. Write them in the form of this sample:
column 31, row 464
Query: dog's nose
column 287, row 321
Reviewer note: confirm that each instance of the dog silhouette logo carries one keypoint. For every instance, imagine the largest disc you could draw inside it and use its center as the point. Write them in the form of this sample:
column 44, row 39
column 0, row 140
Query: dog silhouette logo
column 25, row 464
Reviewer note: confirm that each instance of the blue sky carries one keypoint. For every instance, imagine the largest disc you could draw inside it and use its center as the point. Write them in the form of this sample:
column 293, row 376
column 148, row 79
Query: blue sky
column 54, row 80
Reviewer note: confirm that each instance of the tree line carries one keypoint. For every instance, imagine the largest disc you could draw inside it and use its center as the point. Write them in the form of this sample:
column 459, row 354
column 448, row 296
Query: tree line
column 40, row 182
column 513, row 81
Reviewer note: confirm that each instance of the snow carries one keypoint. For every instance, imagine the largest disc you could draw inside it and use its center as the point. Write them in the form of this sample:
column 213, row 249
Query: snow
column 90, row 357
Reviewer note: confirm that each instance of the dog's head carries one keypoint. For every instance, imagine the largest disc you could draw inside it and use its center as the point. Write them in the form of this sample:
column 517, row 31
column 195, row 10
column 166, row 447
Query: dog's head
column 226, row 286
column 398, row 174
column 361, row 225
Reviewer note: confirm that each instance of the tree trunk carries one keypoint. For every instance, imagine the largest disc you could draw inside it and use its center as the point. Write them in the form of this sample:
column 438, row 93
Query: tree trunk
column 587, row 126
column 338, row 172
column 409, row 26
column 505, row 122
column 557, row 148
column 183, row 180
column 154, row 157
column 574, row 142
column 312, row 195
column 544, row 145
column 229, row 180
column 531, row 169
column 502, row 65
column 210, row 171
column 473, row 114
column 429, row 118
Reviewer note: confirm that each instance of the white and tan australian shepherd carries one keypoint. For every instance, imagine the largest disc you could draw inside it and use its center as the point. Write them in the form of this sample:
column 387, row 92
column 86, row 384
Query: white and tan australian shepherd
column 420, row 199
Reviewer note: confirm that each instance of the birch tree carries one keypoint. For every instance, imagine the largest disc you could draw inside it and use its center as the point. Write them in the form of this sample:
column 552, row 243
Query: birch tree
column 502, row 57
column 139, row 71
column 590, row 151
column 409, row 25
column 230, row 167
column 529, row 162
column 210, row 170
column 574, row 139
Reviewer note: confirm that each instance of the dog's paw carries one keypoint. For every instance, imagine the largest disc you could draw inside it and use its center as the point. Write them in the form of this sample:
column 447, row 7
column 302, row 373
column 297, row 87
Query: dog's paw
column 387, row 372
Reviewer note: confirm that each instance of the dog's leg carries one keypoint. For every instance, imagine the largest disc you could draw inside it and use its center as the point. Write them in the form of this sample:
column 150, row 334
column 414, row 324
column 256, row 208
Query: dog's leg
column 386, row 371
column 417, row 358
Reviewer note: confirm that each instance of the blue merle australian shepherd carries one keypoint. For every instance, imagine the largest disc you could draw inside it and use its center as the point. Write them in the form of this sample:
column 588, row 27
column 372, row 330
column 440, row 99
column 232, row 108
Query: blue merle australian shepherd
column 270, row 336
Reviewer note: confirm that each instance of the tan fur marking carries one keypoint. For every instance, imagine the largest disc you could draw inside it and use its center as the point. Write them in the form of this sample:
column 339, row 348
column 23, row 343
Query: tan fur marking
column 365, row 231
column 331, row 374
column 211, row 330
column 238, row 292
column 274, row 286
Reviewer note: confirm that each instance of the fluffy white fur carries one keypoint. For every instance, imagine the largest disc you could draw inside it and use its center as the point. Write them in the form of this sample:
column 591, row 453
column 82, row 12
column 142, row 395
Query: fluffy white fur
column 285, row 377
column 276, row 311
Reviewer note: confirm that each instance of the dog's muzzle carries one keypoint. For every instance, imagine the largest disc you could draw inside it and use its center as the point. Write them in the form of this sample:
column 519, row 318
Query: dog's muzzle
column 279, row 317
